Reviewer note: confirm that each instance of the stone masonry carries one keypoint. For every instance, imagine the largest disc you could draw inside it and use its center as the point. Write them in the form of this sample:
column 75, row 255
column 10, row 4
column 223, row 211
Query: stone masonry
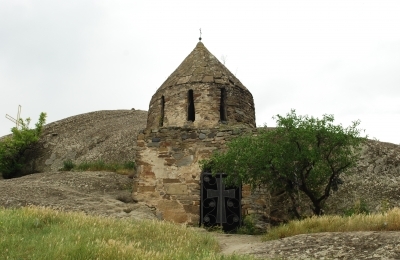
column 215, row 91
column 196, row 110
column 169, row 173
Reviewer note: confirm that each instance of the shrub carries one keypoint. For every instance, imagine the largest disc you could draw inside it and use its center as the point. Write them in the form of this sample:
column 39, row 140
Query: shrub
column 68, row 165
column 130, row 165
column 12, row 148
column 360, row 207
column 248, row 226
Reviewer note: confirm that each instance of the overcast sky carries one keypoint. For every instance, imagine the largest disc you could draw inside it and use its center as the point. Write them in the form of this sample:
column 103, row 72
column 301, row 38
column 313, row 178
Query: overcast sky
column 318, row 57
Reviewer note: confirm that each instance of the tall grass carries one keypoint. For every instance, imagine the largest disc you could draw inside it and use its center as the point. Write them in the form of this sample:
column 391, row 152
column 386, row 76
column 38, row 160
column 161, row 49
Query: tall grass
column 100, row 165
column 389, row 221
column 37, row 233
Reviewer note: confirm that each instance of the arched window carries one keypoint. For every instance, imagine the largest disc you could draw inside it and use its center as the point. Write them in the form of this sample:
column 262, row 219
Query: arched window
column 191, row 112
column 222, row 106
column 162, row 111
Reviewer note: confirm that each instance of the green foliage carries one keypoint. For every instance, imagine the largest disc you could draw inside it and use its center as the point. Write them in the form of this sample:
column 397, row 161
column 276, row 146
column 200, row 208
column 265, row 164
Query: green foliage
column 100, row 165
column 248, row 227
column 360, row 207
column 12, row 149
column 302, row 154
column 129, row 165
column 385, row 206
column 68, row 165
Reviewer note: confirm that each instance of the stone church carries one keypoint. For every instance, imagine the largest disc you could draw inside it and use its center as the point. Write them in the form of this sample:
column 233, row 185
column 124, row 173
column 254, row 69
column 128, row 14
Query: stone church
column 200, row 107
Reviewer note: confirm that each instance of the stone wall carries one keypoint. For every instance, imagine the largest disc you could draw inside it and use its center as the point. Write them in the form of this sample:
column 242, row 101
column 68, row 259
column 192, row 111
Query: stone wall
column 169, row 174
column 207, row 100
column 215, row 90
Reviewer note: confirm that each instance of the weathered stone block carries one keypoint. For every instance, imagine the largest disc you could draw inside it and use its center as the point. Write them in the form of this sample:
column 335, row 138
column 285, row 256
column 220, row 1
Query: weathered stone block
column 219, row 134
column 187, row 160
column 221, row 81
column 169, row 161
column 175, row 216
column 153, row 144
column 183, row 80
column 192, row 209
column 172, row 211
column 146, row 188
column 168, row 180
column 208, row 79
column 178, row 155
column 176, row 189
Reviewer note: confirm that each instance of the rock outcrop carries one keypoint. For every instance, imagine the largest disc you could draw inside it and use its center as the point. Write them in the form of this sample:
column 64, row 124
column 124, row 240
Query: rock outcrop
column 374, row 182
column 107, row 135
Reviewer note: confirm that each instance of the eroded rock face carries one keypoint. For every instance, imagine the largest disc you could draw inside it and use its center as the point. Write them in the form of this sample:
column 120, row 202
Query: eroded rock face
column 372, row 185
column 106, row 135
column 96, row 193
column 375, row 181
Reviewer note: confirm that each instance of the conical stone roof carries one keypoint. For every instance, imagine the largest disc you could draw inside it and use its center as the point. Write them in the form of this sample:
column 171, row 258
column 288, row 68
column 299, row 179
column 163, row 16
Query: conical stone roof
column 201, row 66
column 201, row 93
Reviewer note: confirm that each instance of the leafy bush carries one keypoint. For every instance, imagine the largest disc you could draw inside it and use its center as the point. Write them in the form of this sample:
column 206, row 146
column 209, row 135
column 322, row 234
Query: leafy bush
column 68, row 165
column 248, row 226
column 301, row 155
column 360, row 207
column 12, row 148
column 130, row 165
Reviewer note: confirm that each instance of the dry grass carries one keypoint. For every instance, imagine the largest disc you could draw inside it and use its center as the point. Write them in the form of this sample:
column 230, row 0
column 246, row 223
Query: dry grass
column 389, row 221
column 37, row 233
column 126, row 168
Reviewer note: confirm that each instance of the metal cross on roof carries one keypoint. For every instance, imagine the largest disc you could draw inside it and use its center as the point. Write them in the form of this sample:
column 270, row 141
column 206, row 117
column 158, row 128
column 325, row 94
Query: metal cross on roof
column 200, row 35
column 15, row 121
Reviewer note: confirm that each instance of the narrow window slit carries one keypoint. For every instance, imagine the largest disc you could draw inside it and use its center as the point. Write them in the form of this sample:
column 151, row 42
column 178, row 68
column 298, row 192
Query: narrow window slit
column 222, row 106
column 162, row 111
column 191, row 112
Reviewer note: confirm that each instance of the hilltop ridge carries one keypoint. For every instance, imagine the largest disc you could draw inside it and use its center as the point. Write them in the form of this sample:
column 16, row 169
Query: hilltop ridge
column 108, row 135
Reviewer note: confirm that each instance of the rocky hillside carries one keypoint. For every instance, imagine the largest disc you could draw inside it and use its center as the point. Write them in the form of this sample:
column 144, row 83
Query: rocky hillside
column 111, row 136
column 375, row 181
column 106, row 135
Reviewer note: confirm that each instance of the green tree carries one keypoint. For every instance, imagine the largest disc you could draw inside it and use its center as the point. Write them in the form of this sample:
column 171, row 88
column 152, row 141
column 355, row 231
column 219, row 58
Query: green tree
column 302, row 154
column 13, row 147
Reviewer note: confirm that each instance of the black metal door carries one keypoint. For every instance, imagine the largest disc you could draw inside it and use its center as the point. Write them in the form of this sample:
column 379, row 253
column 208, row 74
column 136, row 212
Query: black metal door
column 220, row 205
